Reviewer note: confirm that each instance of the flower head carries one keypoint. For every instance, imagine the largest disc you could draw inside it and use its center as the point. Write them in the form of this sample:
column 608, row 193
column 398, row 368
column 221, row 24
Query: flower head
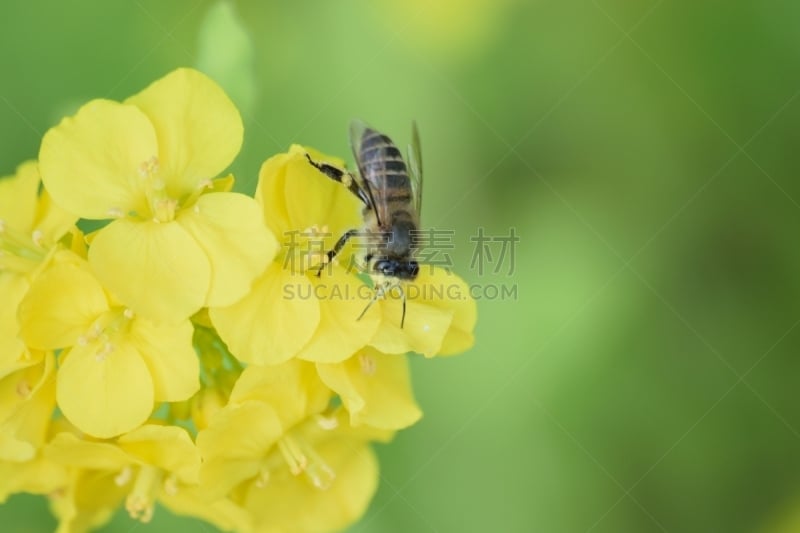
column 178, row 355
column 284, row 316
column 114, row 365
column 138, row 469
column 176, row 243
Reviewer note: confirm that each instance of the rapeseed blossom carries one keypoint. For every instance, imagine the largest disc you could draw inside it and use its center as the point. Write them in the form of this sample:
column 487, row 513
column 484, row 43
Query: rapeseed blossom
column 190, row 352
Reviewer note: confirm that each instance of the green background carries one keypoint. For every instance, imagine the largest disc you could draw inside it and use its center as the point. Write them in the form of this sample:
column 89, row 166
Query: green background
column 645, row 378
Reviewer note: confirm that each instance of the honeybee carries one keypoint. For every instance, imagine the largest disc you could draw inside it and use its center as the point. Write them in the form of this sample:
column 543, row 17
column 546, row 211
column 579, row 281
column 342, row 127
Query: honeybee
column 392, row 198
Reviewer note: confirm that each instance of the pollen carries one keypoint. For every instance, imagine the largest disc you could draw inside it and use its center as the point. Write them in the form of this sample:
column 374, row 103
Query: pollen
column 301, row 458
column 263, row 478
column 103, row 354
column 115, row 212
column 149, row 167
column 367, row 364
column 327, row 423
column 124, row 477
column 171, row 485
column 140, row 503
column 23, row 388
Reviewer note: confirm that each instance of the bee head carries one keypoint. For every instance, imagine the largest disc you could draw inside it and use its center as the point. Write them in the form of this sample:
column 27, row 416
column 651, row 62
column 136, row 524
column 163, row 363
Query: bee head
column 393, row 268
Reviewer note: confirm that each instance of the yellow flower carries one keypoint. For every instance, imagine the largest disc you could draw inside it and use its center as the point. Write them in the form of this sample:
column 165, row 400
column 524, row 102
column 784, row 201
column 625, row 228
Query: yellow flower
column 290, row 311
column 440, row 316
column 265, row 402
column 27, row 399
column 290, row 503
column 178, row 242
column 285, row 456
column 140, row 467
column 30, row 226
column 375, row 389
column 115, row 365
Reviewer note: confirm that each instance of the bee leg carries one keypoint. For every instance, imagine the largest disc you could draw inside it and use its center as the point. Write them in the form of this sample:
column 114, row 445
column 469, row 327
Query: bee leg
column 343, row 177
column 336, row 249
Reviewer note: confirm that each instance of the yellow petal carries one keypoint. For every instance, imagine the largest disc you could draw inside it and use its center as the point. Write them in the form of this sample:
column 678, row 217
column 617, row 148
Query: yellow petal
column 13, row 289
column 375, row 389
column 52, row 221
column 158, row 270
column 234, row 444
column 314, row 199
column 18, row 382
column 442, row 289
column 105, row 390
column 292, row 389
column 15, row 450
column 194, row 502
column 199, row 129
column 340, row 334
column 292, row 503
column 87, row 502
column 170, row 448
column 90, row 162
column 61, row 305
column 38, row 476
column 270, row 194
column 296, row 196
column 69, row 450
column 230, row 229
column 18, row 195
column 28, row 420
column 273, row 321
column 170, row 358
column 423, row 330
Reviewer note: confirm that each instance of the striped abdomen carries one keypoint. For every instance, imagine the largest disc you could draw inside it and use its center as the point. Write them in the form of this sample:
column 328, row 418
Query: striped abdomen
column 385, row 172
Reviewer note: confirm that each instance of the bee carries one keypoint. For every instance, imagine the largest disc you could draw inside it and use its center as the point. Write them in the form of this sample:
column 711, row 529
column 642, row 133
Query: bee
column 391, row 192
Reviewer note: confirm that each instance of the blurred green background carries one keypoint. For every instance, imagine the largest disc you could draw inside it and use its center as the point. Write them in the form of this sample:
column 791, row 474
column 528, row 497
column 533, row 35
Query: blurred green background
column 646, row 376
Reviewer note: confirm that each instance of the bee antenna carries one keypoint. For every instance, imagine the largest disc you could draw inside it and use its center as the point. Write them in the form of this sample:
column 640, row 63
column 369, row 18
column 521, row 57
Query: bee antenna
column 403, row 318
column 375, row 296
column 402, row 297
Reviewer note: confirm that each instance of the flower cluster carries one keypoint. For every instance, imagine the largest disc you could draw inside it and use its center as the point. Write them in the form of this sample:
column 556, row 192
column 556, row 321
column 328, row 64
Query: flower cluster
column 158, row 359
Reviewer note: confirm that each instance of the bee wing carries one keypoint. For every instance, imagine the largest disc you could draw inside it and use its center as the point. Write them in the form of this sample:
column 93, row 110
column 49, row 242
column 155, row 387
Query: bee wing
column 357, row 130
column 415, row 166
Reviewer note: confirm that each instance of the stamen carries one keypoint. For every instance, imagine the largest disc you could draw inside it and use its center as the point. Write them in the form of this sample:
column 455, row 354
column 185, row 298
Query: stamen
column 128, row 313
column 37, row 237
column 24, row 388
column 103, row 354
column 263, row 478
column 171, row 485
column 115, row 212
column 123, row 477
column 292, row 455
column 141, row 501
column 149, row 167
column 368, row 365
column 327, row 423
column 301, row 458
